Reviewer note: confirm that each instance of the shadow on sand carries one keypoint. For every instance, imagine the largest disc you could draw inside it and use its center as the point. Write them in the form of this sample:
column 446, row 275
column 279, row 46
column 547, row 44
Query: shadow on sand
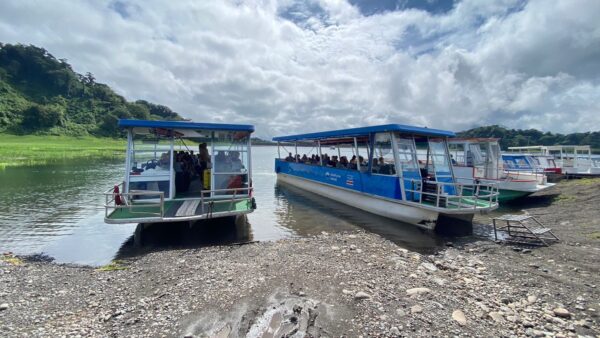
column 186, row 235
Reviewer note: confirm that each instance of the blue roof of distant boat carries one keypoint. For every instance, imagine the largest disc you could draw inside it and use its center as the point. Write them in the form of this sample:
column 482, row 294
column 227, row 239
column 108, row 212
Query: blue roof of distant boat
column 404, row 129
column 184, row 125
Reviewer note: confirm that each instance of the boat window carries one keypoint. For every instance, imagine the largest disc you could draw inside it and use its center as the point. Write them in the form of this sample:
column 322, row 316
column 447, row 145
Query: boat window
column 150, row 160
column 383, row 156
column 407, row 156
column 150, row 156
column 439, row 157
column 230, row 161
column 457, row 153
column 475, row 155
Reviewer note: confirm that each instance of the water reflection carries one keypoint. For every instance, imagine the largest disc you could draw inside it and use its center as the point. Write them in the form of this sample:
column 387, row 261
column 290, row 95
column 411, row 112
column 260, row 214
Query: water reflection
column 309, row 214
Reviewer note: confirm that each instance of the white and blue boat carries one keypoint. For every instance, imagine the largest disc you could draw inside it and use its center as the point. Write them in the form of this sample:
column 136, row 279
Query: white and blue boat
column 573, row 161
column 480, row 160
column 178, row 171
column 385, row 175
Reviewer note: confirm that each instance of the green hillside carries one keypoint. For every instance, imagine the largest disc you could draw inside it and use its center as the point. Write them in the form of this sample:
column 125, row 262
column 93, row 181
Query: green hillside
column 40, row 94
column 532, row 137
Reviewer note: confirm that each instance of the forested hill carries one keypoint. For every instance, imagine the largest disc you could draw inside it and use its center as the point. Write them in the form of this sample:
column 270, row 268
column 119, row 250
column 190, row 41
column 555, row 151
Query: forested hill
column 533, row 137
column 40, row 94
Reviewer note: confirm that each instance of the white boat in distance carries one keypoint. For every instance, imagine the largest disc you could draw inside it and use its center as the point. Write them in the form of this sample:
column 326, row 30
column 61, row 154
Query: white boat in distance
column 480, row 160
column 574, row 161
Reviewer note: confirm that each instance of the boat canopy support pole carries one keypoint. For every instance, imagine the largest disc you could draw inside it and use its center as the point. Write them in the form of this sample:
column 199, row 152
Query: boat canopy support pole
column 214, row 164
column 296, row 155
column 128, row 159
column 171, row 168
column 371, row 152
column 249, row 155
column 320, row 155
column 398, row 166
column 278, row 150
column 356, row 147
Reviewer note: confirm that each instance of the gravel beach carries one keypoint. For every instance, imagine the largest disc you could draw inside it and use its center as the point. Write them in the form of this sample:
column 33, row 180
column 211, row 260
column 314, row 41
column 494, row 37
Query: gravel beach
column 349, row 284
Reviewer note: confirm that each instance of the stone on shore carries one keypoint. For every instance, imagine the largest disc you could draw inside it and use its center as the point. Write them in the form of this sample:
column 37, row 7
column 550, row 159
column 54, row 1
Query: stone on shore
column 417, row 291
column 416, row 309
column 561, row 312
column 361, row 295
column 459, row 317
column 496, row 316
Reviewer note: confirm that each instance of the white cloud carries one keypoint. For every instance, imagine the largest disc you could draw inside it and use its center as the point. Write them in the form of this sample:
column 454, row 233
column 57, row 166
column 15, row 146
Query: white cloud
column 520, row 65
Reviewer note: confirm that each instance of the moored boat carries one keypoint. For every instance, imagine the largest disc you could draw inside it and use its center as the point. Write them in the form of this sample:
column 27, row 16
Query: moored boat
column 480, row 160
column 533, row 163
column 574, row 161
column 384, row 175
column 164, row 181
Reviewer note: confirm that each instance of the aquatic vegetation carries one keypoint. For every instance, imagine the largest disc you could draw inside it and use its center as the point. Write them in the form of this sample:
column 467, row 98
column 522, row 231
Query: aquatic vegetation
column 32, row 150
column 563, row 198
column 11, row 259
column 114, row 265
column 584, row 181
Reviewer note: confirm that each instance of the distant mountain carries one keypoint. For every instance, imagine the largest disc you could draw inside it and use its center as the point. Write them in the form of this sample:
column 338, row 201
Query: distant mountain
column 532, row 137
column 40, row 94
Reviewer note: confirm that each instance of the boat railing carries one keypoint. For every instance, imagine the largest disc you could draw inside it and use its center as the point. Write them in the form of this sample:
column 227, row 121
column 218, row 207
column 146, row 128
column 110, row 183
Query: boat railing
column 156, row 199
column 463, row 196
column 126, row 199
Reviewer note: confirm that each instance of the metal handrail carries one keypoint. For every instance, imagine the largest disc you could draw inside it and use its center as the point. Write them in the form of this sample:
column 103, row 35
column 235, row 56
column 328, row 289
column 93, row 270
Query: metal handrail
column 110, row 204
column 485, row 192
column 110, row 199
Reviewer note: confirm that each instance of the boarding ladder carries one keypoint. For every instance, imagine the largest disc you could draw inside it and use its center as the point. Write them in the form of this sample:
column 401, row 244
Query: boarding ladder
column 523, row 229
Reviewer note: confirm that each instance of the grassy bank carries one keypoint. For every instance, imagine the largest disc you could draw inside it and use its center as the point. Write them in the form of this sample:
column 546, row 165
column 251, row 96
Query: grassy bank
column 33, row 149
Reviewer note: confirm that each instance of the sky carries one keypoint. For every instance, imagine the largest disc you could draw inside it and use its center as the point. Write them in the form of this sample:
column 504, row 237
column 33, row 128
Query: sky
column 293, row 66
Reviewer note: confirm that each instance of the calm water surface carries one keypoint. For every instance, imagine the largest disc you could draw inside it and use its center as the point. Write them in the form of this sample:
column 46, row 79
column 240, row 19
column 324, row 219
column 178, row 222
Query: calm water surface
column 56, row 210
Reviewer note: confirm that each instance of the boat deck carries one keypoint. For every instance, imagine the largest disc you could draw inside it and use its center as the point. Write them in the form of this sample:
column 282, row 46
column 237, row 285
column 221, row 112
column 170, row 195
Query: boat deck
column 184, row 209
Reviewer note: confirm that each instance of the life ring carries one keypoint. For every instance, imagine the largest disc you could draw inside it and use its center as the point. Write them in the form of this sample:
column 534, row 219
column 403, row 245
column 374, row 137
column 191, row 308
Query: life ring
column 117, row 196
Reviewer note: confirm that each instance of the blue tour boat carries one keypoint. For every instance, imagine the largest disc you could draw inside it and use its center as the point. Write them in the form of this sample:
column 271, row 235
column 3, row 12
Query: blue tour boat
column 396, row 171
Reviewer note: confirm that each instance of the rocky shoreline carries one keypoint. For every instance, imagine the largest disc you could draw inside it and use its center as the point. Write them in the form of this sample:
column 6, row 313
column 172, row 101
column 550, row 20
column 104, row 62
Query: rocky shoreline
column 352, row 284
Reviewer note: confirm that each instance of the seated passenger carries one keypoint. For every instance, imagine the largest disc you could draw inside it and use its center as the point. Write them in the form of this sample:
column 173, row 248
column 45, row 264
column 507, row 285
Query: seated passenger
column 304, row 159
column 343, row 162
column 235, row 162
column 375, row 167
column 289, row 158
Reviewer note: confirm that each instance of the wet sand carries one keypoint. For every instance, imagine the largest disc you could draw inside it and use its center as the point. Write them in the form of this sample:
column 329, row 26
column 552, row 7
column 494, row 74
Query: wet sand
column 351, row 284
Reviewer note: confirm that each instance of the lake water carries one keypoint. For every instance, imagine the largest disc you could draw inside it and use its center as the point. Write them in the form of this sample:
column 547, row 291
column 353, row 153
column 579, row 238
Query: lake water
column 55, row 210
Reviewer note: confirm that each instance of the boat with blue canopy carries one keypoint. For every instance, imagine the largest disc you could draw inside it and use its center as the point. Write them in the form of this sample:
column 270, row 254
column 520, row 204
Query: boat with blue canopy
column 182, row 171
column 377, row 169
column 480, row 159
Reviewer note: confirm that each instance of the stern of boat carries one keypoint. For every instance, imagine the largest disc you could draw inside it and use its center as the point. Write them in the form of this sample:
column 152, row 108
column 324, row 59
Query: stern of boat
column 152, row 207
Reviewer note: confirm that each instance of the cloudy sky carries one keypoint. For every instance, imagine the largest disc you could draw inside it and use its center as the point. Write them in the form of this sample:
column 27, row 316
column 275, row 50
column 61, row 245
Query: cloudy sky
column 292, row 66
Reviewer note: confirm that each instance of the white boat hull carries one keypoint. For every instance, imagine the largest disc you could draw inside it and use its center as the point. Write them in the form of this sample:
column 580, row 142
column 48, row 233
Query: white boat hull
column 522, row 181
column 421, row 217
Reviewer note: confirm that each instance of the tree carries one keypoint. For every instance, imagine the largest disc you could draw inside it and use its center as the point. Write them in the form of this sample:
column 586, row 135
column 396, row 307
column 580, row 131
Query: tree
column 42, row 116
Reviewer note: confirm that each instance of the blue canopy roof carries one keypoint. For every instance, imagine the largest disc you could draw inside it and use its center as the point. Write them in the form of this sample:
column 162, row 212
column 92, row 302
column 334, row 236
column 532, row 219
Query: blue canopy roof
column 363, row 131
column 184, row 125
